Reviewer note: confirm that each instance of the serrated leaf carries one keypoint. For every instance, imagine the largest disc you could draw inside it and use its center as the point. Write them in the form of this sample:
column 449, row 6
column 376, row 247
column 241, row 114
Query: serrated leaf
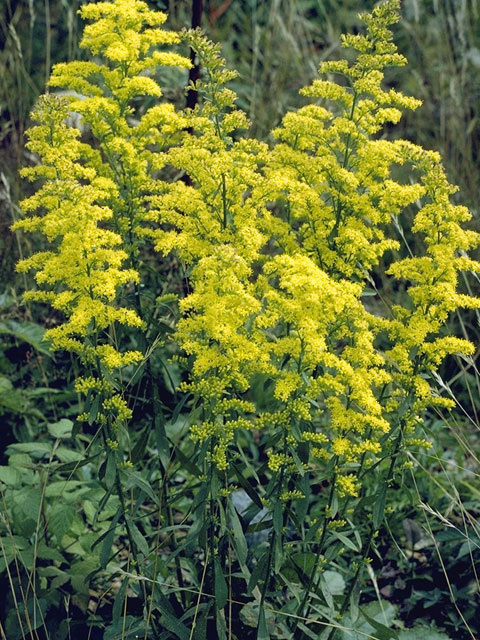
column 187, row 464
column 48, row 553
column 60, row 519
column 173, row 624
column 308, row 632
column 221, row 625
column 327, row 594
column 373, row 619
column 127, row 628
column 305, row 561
column 69, row 488
column 79, row 572
column 31, row 447
column 9, row 476
column 30, row 501
column 61, row 429
column 335, row 582
column 69, row 467
column 303, row 450
column 68, row 455
column 27, row 332
column 6, row 385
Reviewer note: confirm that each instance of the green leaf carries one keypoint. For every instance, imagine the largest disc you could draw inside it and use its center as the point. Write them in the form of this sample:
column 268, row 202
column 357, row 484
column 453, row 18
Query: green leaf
column 134, row 479
column 68, row 455
column 248, row 488
column 69, row 467
column 5, row 385
column 221, row 590
column 258, row 571
column 262, row 631
column 94, row 407
column 375, row 619
column 238, row 539
column 60, row 520
column 126, row 628
column 119, row 600
column 303, row 450
column 298, row 462
column 331, row 584
column 278, row 518
column 30, row 501
column 304, row 561
column 108, row 538
column 308, row 632
column 68, row 488
column 335, row 582
column 79, row 572
column 173, row 624
column 48, row 553
column 379, row 506
column 200, row 629
column 163, row 444
column 346, row 541
column 9, row 476
column 179, row 407
column 37, row 448
column 187, row 464
column 138, row 450
column 27, row 332
column 381, row 631
column 61, row 429
column 110, row 470
column 138, row 537
column 221, row 625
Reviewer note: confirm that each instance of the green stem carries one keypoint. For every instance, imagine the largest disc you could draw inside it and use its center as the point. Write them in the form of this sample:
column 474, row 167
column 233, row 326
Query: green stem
column 306, row 598
column 211, row 529
column 373, row 531
column 273, row 541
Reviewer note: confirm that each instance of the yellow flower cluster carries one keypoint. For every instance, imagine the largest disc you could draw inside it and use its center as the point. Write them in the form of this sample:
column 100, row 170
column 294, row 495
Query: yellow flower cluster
column 127, row 35
column 280, row 245
column 94, row 197
column 82, row 272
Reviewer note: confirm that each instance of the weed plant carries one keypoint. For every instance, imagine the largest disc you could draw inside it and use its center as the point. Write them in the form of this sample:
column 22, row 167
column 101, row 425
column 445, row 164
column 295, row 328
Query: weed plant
column 242, row 396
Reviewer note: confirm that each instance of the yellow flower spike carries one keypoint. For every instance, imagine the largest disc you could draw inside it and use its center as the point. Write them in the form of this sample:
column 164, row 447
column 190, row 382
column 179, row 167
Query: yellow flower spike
column 87, row 262
column 347, row 486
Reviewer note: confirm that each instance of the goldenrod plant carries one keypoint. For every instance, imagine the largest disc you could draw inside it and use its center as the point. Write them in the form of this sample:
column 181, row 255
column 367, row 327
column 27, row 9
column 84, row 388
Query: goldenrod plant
column 297, row 389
